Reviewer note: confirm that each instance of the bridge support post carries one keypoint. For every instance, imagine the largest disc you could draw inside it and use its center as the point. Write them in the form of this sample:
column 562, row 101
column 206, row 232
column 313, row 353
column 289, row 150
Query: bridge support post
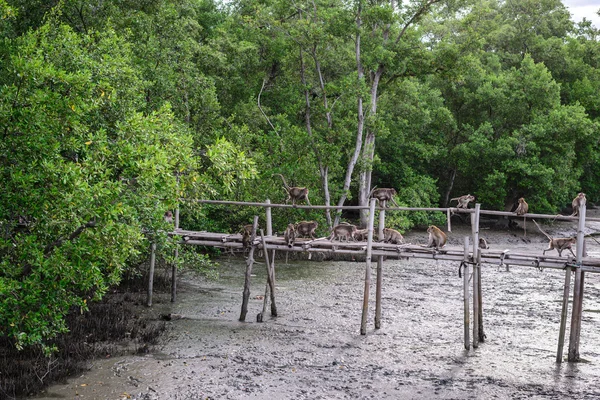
column 151, row 275
column 249, row 263
column 476, row 266
column 379, row 269
column 270, row 286
column 365, row 310
column 174, row 266
column 466, row 307
column 577, row 291
column 563, row 315
column 268, row 219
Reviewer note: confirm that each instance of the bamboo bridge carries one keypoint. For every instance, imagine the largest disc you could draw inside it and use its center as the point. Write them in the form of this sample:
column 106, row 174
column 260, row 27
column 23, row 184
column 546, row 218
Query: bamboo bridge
column 469, row 256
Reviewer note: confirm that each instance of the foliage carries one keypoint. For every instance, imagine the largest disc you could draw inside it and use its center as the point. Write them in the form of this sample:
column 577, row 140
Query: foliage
column 114, row 112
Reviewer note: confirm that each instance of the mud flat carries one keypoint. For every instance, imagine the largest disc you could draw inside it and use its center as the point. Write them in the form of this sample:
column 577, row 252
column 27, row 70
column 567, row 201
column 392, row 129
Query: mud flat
column 313, row 349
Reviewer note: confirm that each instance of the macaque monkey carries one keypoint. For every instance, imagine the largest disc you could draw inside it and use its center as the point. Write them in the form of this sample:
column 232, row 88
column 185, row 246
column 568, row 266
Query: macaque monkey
column 483, row 244
column 169, row 217
column 290, row 235
column 361, row 235
column 392, row 236
column 295, row 193
column 384, row 194
column 306, row 228
column 343, row 231
column 522, row 208
column 247, row 236
column 463, row 201
column 578, row 202
column 559, row 244
column 437, row 238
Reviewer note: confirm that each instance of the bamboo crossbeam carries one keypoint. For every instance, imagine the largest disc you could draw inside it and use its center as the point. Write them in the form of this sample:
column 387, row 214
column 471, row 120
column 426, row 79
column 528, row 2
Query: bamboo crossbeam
column 440, row 209
column 494, row 257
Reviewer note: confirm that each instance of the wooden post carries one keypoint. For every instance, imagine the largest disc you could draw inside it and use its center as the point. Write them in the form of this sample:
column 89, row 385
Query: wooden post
column 448, row 215
column 480, row 297
column 151, row 275
column 379, row 280
column 577, row 291
column 174, row 266
column 270, row 282
column 563, row 315
column 249, row 262
column 466, row 295
column 174, row 275
column 268, row 218
column 365, row 310
column 475, row 230
column 476, row 267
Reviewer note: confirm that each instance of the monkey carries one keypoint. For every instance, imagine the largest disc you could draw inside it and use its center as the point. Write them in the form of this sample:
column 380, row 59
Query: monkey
column 384, row 194
column 483, row 244
column 295, row 193
column 343, row 231
column 463, row 201
column 392, row 236
column 361, row 235
column 577, row 203
column 559, row 244
column 305, row 228
column 437, row 238
column 247, row 236
column 168, row 217
column 522, row 208
column 290, row 235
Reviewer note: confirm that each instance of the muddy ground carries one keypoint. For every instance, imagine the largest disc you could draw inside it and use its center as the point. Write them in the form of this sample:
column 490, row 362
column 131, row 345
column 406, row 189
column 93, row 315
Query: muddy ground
column 313, row 349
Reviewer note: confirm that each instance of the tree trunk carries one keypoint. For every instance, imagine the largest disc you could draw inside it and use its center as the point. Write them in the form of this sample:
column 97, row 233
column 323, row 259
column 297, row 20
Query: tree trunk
column 450, row 186
column 360, row 122
column 364, row 184
column 323, row 170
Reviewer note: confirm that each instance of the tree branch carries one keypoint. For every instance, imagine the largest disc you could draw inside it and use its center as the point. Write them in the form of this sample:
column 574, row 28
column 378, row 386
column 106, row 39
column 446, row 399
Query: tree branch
column 57, row 243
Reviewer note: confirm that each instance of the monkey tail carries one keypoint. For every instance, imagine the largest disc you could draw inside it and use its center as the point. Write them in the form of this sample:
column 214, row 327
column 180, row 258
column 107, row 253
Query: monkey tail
column 371, row 192
column 284, row 182
column 541, row 230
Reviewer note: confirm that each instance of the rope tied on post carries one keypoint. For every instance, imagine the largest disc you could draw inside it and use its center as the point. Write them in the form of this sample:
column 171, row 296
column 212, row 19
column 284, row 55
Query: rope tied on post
column 463, row 264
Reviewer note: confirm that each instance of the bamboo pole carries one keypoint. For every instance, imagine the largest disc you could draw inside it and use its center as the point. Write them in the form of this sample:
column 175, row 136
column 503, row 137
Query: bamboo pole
column 176, row 256
column 480, row 297
column 476, row 267
column 563, row 315
column 270, row 286
column 151, row 275
column 365, row 310
column 445, row 209
column 174, row 275
column 268, row 219
column 379, row 279
column 466, row 310
column 249, row 263
column 577, row 291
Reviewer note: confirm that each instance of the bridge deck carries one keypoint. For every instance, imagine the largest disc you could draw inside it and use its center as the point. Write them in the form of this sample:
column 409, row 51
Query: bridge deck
column 450, row 253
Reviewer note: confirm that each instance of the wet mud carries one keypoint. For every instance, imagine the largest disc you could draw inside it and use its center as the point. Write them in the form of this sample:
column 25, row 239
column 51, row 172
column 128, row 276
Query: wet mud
column 313, row 349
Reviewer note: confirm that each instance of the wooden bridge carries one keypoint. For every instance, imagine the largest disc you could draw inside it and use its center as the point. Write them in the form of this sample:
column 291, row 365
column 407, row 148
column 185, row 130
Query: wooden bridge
column 470, row 257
